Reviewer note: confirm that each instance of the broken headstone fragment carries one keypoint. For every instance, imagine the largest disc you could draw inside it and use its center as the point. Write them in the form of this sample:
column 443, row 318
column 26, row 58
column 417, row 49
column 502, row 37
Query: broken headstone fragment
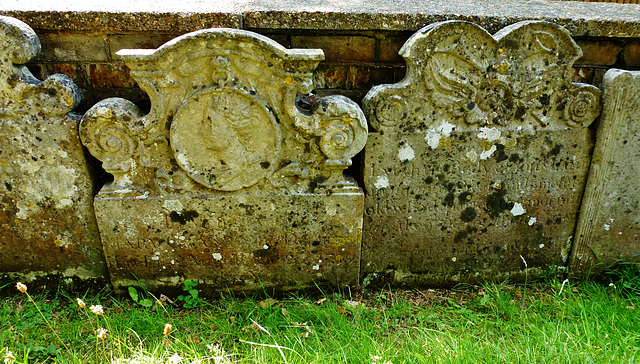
column 226, row 181
column 47, row 226
column 609, row 227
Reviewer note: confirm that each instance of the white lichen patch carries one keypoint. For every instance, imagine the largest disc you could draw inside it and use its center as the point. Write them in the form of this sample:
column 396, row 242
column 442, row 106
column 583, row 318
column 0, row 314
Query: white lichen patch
column 432, row 138
column 25, row 207
column 518, row 209
column 532, row 221
column 381, row 182
column 173, row 205
column 471, row 156
column 435, row 134
column 406, row 153
column 489, row 134
column 487, row 153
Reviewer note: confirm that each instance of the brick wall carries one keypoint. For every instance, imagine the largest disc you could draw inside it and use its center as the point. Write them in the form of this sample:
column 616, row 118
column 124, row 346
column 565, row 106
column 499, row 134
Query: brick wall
column 354, row 61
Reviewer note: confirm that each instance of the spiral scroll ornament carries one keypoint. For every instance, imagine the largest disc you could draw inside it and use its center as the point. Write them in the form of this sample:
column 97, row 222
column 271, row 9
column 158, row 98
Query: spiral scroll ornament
column 341, row 127
column 583, row 107
column 336, row 139
column 391, row 110
column 104, row 132
column 114, row 144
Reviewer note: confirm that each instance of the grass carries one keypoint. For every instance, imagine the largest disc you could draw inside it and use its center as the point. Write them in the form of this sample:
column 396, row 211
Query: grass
column 553, row 322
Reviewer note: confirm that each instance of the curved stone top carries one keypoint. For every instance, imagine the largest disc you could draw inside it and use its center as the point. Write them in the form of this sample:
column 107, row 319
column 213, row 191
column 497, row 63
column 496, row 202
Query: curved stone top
column 580, row 18
column 460, row 75
column 224, row 118
column 21, row 94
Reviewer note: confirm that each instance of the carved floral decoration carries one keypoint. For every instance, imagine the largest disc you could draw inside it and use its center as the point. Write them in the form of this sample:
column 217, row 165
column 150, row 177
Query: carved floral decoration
column 224, row 117
column 519, row 76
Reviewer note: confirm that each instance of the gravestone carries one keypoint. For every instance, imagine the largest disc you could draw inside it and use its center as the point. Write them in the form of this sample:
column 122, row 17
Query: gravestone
column 227, row 181
column 609, row 223
column 480, row 156
column 47, row 225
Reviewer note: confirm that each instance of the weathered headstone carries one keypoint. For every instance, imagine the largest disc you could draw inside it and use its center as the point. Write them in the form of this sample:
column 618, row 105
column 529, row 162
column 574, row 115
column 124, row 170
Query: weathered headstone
column 480, row 157
column 609, row 223
column 47, row 225
column 227, row 181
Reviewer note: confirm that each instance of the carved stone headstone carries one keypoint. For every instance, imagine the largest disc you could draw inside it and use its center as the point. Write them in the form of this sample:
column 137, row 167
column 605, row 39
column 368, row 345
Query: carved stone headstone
column 227, row 181
column 47, row 225
column 609, row 223
column 480, row 157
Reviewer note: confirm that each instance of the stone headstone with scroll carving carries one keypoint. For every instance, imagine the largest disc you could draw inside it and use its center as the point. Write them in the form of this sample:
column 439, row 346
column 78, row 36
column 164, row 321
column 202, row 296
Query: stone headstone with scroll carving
column 47, row 226
column 608, row 229
column 479, row 158
column 227, row 181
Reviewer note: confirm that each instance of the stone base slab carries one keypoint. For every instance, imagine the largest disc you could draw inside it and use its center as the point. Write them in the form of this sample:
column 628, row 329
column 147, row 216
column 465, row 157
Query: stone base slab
column 235, row 242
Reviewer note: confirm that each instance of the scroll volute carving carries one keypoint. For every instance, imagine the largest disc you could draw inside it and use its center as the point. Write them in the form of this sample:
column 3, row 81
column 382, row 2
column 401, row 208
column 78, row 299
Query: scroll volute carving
column 521, row 76
column 224, row 118
column 21, row 94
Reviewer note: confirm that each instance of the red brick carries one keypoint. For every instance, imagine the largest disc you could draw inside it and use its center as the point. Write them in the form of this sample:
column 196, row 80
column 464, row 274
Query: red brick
column 363, row 78
column 399, row 73
column 75, row 71
column 339, row 48
column 632, row 55
column 389, row 48
column 280, row 38
column 359, row 78
column 110, row 76
column 598, row 53
column 73, row 47
column 582, row 74
column 330, row 76
column 137, row 41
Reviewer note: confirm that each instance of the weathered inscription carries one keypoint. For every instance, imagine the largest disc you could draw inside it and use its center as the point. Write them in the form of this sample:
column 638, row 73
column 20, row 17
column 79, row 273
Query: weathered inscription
column 190, row 237
column 481, row 160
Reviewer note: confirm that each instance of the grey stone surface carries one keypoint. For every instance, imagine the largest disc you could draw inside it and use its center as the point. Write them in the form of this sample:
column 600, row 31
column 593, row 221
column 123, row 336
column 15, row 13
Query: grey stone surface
column 609, row 224
column 479, row 161
column 580, row 18
column 47, row 225
column 227, row 181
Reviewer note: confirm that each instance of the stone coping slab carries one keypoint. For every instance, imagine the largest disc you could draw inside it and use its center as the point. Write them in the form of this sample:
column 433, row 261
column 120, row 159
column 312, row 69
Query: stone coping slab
column 581, row 19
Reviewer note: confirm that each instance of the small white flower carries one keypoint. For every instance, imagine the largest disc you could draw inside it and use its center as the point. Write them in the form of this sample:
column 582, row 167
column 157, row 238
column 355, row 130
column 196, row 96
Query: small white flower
column 21, row 287
column 81, row 303
column 167, row 329
column 10, row 357
column 97, row 309
column 101, row 333
column 174, row 359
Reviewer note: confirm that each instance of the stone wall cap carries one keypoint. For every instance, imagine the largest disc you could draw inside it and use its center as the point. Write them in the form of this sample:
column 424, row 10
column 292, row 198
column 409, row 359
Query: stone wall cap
column 228, row 33
column 580, row 18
